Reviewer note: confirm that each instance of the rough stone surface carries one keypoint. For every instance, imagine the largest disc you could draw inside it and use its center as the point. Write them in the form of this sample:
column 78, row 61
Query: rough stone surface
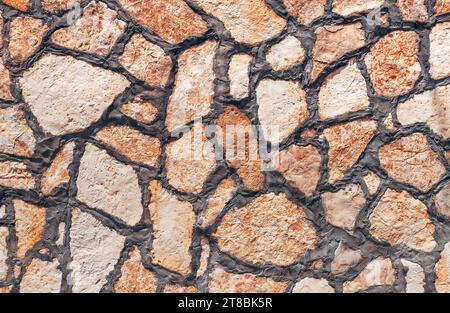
column 413, row 10
column 344, row 259
column 41, row 277
column 415, row 277
column 285, row 54
column 56, row 6
column 348, row 8
column 238, row 75
column 21, row 5
column 313, row 285
column 180, row 289
column 378, row 272
column 442, row 269
column 16, row 137
column 440, row 50
column 442, row 7
column 305, row 11
column 442, row 201
column 58, row 172
column 217, row 201
column 5, row 81
column 140, row 110
column 3, row 253
column 16, row 175
column 372, row 182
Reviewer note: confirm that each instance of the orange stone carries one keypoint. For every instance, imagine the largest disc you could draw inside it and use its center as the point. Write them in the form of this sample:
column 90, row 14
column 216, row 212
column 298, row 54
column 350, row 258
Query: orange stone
column 58, row 5
column 58, row 172
column 217, row 201
column 16, row 137
column 305, row 11
column 21, row 5
column 180, row 289
column 140, row 110
column 442, row 7
column 5, row 81
column 413, row 10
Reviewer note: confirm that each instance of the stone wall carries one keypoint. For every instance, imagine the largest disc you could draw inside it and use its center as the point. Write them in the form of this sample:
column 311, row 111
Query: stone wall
column 114, row 167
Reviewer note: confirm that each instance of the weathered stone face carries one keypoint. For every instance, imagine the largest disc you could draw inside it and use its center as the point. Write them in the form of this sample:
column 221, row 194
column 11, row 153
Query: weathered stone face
column 442, row 7
column 305, row 11
column 5, row 82
column 442, row 203
column 21, row 5
column 313, row 285
column 238, row 74
column 348, row 8
column 379, row 272
column 3, row 253
column 442, row 269
column 16, row 175
column 285, row 54
column 415, row 278
column 413, row 10
column 58, row 172
column 16, row 137
column 55, row 6
column 217, row 201
column 439, row 50
column 41, row 276
column 344, row 259
column 140, row 110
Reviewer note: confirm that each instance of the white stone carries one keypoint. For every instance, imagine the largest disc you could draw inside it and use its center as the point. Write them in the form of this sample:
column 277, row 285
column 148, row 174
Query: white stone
column 238, row 74
column 415, row 277
column 41, row 277
column 313, row 285
column 286, row 54
column 440, row 50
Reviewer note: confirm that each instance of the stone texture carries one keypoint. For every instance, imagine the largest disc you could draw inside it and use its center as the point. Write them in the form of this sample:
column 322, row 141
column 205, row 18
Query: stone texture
column 393, row 63
column 305, row 11
column 442, row 269
column 217, row 201
column 21, row 5
column 95, row 250
column 131, row 143
column 30, row 223
column 278, row 234
column 140, row 110
column 442, row 201
column 180, row 289
column 281, row 104
column 41, row 277
column 204, row 257
column 348, row 8
column 194, row 86
column 58, row 172
column 344, row 259
column 16, row 137
column 285, row 54
column 413, row 10
column 224, row 282
column 431, row 107
column 378, row 272
column 147, row 61
column 238, row 74
column 442, row 7
column 249, row 22
column 334, row 41
column 108, row 185
column 313, row 285
column 77, row 93
column 415, row 277
column 96, row 31
column 172, row 223
column 440, row 50
column 372, row 182
column 16, row 175
column 399, row 219
column 3, row 253
column 56, row 6
column 410, row 160
column 5, row 81
column 346, row 144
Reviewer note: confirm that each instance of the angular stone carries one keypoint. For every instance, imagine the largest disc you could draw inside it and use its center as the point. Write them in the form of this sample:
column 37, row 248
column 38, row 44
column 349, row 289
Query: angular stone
column 204, row 257
column 217, row 201
column 281, row 104
column 41, row 277
column 21, row 5
column 238, row 74
column 413, row 10
column 344, row 91
column 135, row 278
column 140, row 110
column 442, row 270
column 2, row 211
column 26, row 35
column 180, row 289
column 95, row 250
column 301, row 167
column 249, row 22
column 442, row 7
column 415, row 277
column 431, row 107
column 285, row 54
column 106, row 184
column 344, row 259
column 393, row 64
column 441, row 199
column 348, row 8
column 372, row 182
column 399, row 219
column 16, row 137
column 440, row 50
column 343, row 206
column 172, row 20
column 173, row 223
column 193, row 93
column 3, row 253
column 76, row 96
column 278, row 234
column 305, row 11
column 410, row 160
column 346, row 144
column 332, row 42
column 378, row 272
column 96, row 31
column 30, row 223
column 147, row 61
column 1, row 32
column 58, row 172
column 16, row 175
column 224, row 282
column 131, row 143
column 5, row 81
column 313, row 285
column 56, row 6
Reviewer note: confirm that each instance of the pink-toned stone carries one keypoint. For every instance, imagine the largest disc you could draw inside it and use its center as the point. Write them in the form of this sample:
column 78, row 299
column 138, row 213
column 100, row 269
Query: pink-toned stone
column 440, row 50
column 16, row 175
column 21, row 5
column 55, row 6
column 305, row 11
column 41, row 277
column 348, row 8
column 285, row 54
column 180, row 289
column 442, row 201
column 413, row 10
column 372, row 182
column 58, row 172
column 217, row 201
column 5, row 81
column 415, row 277
column 204, row 257
column 313, row 285
column 442, row 269
column 3, row 253
column 16, row 137
column 379, row 272
column 238, row 74
column 442, row 7
column 344, row 259
column 140, row 110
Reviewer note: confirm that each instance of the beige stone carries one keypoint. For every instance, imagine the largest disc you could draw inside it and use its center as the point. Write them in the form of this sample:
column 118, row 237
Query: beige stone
column 249, row 22
column 410, row 160
column 344, row 259
column 413, row 10
column 5, row 81
column 172, row 223
column 58, row 172
column 3, row 253
column 2, row 211
column 204, row 257
column 442, row 269
column 389, row 123
column 55, row 6
column 279, row 234
column 16, row 137
column 442, row 201
column 286, row 54
column 193, row 93
column 76, row 96
column 378, row 272
column 399, row 219
column 442, row 6
column 140, row 110
column 313, row 285
column 16, row 175
column 41, row 277
column 217, row 201
column 415, row 277
column 305, row 11
column 21, row 5
column 108, row 185
column 348, row 8
column 440, row 50
column 180, row 289
column 238, row 74
column 372, row 182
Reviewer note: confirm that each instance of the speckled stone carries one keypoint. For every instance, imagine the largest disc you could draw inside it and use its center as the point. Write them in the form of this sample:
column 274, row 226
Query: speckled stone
column 440, row 50
column 16, row 137
column 305, row 11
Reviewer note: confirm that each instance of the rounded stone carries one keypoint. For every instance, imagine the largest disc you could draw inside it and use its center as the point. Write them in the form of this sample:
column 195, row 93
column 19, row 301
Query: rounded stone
column 285, row 54
column 440, row 50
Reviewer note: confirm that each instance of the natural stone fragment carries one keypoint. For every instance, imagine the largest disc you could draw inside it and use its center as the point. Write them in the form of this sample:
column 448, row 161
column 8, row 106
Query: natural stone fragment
column 1, row 31
column 278, row 234
column 389, row 123
column 343, row 91
column 131, row 143
column 413, row 10
column 193, row 93
column 301, row 167
column 442, row 201
column 21, row 5
column 342, row 207
column 173, row 223
column 16, row 175
column 313, row 285
column 147, row 61
column 393, row 63
column 305, row 11
column 6, row 289
column 239, row 75
column 217, row 201
column 442, row 7
column 249, row 22
column 400, row 219
column 25, row 37
column 180, row 289
column 135, row 278
column 442, row 270
column 16, row 137
column 410, row 160
column 95, row 250
column 41, row 277
column 58, row 172
column 431, row 107
column 348, row 8
column 221, row 281
column 415, row 277
column 3, row 253
column 344, row 259
column 96, row 31
column 2, row 211
column 30, row 223
column 346, row 144
column 286, row 54
column 281, row 104
column 76, row 93
column 140, row 110
column 172, row 20
column 5, row 81
column 378, row 272
column 440, row 50
column 332, row 42
column 61, row 234
column 204, row 257
column 108, row 185
column 372, row 182
column 56, row 6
